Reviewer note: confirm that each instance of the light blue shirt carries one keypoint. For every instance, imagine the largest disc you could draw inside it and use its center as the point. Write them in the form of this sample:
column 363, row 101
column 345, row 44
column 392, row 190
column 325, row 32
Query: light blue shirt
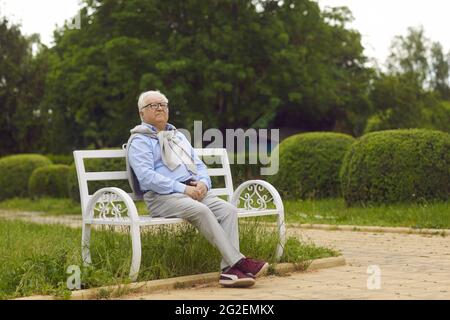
column 153, row 175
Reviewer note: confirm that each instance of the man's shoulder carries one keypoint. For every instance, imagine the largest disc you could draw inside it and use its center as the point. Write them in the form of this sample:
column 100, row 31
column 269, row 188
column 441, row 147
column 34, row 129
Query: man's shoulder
column 140, row 139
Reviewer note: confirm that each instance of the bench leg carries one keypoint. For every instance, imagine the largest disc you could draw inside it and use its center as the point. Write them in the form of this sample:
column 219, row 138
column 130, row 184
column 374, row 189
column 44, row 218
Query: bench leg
column 135, row 231
column 282, row 236
column 85, row 244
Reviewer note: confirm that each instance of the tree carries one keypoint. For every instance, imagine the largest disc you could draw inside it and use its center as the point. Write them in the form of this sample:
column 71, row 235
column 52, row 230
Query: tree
column 229, row 63
column 408, row 95
column 440, row 65
column 21, row 90
column 399, row 102
column 409, row 55
column 422, row 59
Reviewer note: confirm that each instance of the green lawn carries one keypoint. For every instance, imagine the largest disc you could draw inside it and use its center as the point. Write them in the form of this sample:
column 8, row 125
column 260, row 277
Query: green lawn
column 334, row 211
column 34, row 258
column 325, row 211
column 52, row 206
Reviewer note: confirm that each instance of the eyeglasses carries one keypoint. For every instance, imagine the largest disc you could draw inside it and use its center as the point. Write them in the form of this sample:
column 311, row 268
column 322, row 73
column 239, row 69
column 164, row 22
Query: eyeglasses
column 155, row 106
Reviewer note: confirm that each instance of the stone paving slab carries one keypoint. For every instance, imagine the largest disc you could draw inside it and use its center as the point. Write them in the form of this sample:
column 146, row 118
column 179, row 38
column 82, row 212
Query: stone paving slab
column 412, row 267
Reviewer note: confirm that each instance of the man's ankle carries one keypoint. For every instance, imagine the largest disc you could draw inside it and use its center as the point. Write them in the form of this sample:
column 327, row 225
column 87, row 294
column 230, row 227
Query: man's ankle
column 234, row 265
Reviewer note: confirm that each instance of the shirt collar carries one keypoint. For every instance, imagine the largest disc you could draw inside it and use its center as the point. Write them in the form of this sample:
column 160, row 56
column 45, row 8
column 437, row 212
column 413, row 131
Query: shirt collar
column 153, row 128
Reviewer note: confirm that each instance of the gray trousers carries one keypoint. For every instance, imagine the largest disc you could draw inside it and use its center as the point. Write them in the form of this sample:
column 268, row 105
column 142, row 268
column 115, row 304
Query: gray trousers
column 215, row 218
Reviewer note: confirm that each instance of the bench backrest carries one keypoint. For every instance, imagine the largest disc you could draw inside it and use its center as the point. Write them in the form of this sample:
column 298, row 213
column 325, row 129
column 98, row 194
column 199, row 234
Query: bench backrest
column 220, row 155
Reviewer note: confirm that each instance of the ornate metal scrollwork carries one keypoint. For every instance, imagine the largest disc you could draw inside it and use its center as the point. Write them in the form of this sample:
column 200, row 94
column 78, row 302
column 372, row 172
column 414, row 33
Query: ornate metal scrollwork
column 255, row 194
column 109, row 206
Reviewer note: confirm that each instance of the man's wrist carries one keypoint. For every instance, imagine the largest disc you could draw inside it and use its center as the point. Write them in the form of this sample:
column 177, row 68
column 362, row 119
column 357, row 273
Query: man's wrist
column 205, row 182
column 179, row 187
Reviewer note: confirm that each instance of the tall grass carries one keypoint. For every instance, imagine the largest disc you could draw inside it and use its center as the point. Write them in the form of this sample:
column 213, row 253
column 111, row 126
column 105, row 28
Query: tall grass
column 34, row 258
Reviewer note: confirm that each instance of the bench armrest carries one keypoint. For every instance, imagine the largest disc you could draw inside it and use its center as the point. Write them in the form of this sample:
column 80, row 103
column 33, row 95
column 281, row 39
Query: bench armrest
column 257, row 195
column 106, row 202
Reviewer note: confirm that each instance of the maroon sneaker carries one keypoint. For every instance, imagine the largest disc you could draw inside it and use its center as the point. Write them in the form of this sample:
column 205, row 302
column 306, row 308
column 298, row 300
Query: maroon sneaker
column 251, row 267
column 233, row 277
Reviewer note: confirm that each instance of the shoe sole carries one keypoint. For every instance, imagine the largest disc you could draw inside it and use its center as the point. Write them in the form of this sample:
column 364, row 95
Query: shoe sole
column 263, row 270
column 239, row 283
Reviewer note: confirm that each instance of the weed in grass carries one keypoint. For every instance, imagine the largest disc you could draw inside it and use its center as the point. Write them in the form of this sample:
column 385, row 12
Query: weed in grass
column 180, row 285
column 103, row 294
column 272, row 270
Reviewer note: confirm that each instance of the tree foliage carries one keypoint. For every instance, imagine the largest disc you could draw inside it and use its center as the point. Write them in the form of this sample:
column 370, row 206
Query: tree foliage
column 21, row 90
column 409, row 94
column 228, row 63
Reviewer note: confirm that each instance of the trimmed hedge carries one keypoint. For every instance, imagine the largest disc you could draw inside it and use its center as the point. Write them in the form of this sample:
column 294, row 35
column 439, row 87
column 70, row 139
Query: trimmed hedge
column 309, row 164
column 15, row 171
column 66, row 159
column 397, row 166
column 49, row 181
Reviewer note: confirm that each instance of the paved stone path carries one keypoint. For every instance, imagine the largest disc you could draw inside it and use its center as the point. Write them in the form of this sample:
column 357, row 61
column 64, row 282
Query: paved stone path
column 73, row 221
column 411, row 267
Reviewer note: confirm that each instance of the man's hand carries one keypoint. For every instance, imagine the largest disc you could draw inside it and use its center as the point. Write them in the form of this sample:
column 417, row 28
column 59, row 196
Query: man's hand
column 192, row 192
column 201, row 189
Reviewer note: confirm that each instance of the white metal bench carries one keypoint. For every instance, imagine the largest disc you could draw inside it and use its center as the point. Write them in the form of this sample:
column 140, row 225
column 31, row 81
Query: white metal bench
column 114, row 206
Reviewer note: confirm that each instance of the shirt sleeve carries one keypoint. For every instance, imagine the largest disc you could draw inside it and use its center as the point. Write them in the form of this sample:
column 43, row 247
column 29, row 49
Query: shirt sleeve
column 140, row 156
column 202, row 170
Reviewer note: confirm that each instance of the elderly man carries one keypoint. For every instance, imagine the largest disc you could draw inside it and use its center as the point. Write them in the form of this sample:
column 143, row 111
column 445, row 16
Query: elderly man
column 166, row 170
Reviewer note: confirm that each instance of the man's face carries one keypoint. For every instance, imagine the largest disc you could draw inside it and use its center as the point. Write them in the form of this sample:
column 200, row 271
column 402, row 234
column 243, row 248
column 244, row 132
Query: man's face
column 155, row 116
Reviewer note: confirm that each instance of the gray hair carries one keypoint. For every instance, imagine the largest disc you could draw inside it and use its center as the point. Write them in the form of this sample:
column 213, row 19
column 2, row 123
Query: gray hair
column 144, row 95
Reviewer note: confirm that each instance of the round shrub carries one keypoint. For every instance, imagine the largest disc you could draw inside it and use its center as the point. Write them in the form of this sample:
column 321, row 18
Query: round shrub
column 397, row 166
column 66, row 159
column 309, row 164
column 49, row 181
column 15, row 171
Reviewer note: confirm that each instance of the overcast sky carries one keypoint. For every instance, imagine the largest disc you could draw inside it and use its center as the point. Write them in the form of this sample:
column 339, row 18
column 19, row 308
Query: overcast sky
column 377, row 20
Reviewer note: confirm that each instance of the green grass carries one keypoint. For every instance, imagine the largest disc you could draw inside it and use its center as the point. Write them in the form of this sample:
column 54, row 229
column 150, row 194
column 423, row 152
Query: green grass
column 334, row 211
column 52, row 206
column 324, row 211
column 34, row 258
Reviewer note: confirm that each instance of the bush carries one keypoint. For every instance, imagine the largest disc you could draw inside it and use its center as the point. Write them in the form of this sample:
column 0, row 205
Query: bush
column 15, row 171
column 66, row 159
column 396, row 166
column 309, row 164
column 97, row 165
column 49, row 181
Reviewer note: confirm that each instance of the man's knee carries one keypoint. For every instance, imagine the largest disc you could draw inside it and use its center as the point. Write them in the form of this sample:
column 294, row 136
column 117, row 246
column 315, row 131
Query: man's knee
column 200, row 210
column 227, row 210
